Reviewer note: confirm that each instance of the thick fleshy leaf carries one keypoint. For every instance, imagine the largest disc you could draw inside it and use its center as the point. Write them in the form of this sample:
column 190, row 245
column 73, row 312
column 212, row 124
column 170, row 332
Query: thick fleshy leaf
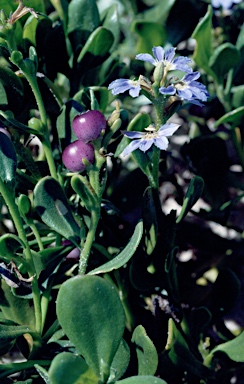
column 9, row 245
column 111, row 22
column 141, row 380
column 68, row 368
column 203, row 36
column 120, row 362
column 146, row 352
column 11, row 332
column 193, row 193
column 96, row 49
column 51, row 204
column 123, row 257
column 3, row 96
column 233, row 349
column 83, row 19
column 84, row 190
column 150, row 34
column 225, row 57
column 43, row 373
column 15, row 308
column 91, row 314
column 12, row 93
column 8, row 161
column 29, row 29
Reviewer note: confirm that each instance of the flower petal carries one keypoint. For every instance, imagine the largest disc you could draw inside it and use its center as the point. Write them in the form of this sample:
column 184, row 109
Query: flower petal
column 158, row 53
column 170, row 90
column 146, row 57
column 169, row 54
column 134, row 92
column 161, row 142
column 145, row 144
column 168, row 129
column 133, row 134
column 131, row 147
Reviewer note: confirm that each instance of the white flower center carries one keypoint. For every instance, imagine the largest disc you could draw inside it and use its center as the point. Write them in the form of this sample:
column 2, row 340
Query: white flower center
column 181, row 85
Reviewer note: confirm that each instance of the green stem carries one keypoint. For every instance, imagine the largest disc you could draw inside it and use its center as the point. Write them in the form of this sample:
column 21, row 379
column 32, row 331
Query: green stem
column 32, row 79
column 11, row 368
column 85, row 253
column 14, row 212
column 51, row 330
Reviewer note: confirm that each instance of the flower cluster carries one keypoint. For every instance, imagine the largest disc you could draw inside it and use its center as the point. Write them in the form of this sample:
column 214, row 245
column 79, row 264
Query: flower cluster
column 187, row 88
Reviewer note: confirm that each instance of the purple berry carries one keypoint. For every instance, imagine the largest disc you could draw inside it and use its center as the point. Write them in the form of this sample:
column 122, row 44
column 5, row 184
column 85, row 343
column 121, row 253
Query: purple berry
column 74, row 153
column 88, row 125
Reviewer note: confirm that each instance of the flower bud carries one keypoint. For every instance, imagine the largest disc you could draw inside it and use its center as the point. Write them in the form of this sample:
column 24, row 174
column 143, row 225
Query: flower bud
column 158, row 73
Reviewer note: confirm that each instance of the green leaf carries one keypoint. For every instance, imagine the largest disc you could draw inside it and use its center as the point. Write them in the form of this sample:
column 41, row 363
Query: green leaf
column 141, row 380
column 238, row 96
column 29, row 29
column 83, row 19
column 233, row 349
column 15, row 308
column 43, row 373
column 68, row 368
column 3, row 95
column 225, row 57
column 194, row 192
column 203, row 36
column 123, row 257
column 52, row 205
column 9, row 245
column 231, row 117
column 8, row 6
column 146, row 352
column 84, row 190
column 8, row 161
column 96, row 49
column 150, row 34
column 91, row 314
column 111, row 22
column 11, row 332
column 120, row 362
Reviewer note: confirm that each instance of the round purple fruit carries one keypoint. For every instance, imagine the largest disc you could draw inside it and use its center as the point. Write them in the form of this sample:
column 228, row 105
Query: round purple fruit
column 74, row 153
column 89, row 125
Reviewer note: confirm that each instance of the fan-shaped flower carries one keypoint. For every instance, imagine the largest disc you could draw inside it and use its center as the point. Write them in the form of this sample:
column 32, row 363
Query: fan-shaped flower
column 180, row 63
column 144, row 140
column 188, row 89
column 122, row 85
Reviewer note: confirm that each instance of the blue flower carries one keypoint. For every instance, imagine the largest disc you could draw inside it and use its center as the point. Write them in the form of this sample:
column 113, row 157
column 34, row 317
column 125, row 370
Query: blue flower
column 188, row 89
column 144, row 140
column 167, row 58
column 122, row 85
column 225, row 4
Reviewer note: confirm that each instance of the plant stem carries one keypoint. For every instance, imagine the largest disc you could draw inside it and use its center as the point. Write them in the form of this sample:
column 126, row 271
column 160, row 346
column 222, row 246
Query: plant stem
column 32, row 79
column 11, row 368
column 14, row 212
column 84, row 255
